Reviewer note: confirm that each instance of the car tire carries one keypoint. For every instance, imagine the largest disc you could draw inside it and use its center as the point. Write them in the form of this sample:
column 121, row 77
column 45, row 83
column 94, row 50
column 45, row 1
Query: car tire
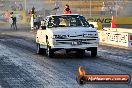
column 40, row 50
column 94, row 52
column 49, row 52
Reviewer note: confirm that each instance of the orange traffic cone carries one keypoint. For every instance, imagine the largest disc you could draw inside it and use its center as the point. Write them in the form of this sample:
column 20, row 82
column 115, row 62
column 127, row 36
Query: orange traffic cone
column 113, row 25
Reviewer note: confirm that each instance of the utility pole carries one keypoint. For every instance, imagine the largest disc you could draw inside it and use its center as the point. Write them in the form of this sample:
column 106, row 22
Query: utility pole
column 25, row 4
column 90, row 8
column 116, row 7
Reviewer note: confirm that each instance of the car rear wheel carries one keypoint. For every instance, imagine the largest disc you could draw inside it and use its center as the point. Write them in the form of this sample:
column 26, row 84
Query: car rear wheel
column 94, row 52
column 49, row 52
column 40, row 50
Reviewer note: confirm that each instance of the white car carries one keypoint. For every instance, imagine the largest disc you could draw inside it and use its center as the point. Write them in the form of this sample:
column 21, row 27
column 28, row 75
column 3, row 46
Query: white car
column 70, row 32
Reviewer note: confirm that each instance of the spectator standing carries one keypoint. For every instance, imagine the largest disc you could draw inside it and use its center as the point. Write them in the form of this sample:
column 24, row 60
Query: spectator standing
column 67, row 9
column 7, row 15
column 14, row 19
column 35, row 23
column 43, row 24
column 39, row 19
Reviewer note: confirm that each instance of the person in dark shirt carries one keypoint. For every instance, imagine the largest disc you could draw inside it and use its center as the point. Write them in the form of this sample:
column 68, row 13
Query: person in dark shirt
column 39, row 19
column 13, row 25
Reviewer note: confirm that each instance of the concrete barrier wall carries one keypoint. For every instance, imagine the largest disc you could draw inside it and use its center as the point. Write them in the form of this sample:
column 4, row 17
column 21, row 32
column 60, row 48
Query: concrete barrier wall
column 126, row 30
column 116, row 38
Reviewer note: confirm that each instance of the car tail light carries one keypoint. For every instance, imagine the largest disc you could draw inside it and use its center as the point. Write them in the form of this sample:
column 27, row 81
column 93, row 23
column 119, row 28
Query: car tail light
column 130, row 37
